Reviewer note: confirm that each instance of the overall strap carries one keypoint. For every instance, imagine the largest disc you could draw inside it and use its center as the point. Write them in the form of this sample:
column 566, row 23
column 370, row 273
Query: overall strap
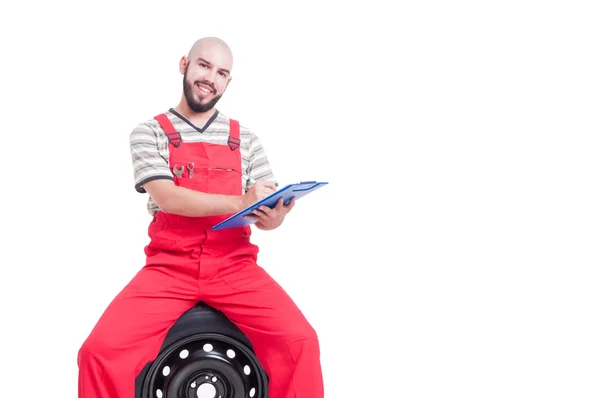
column 234, row 135
column 173, row 135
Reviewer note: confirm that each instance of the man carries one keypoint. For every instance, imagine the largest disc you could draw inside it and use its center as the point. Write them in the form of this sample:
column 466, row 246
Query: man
column 187, row 262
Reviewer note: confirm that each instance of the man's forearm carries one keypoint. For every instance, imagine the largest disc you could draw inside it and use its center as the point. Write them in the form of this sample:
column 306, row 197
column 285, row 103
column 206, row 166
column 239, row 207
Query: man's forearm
column 187, row 202
column 190, row 203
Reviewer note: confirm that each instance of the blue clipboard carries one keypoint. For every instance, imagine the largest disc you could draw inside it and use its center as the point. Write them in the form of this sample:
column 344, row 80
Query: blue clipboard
column 288, row 192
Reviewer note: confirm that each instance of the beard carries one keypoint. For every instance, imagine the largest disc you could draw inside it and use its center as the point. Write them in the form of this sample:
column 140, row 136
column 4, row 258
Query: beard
column 197, row 105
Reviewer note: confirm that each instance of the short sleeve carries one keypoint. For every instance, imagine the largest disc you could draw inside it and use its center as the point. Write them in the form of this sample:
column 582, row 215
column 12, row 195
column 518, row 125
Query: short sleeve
column 148, row 162
column 258, row 164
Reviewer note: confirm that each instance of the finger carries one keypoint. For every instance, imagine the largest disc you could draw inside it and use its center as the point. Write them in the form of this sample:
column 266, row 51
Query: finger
column 260, row 214
column 270, row 185
column 262, row 194
column 267, row 192
column 264, row 190
column 266, row 210
column 279, row 205
column 290, row 204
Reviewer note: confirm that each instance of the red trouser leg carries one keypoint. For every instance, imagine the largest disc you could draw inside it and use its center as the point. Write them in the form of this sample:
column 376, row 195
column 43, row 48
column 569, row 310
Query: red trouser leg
column 132, row 329
column 285, row 343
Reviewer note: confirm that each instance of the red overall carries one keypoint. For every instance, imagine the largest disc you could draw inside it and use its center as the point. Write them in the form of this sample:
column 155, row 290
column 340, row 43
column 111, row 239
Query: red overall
column 186, row 263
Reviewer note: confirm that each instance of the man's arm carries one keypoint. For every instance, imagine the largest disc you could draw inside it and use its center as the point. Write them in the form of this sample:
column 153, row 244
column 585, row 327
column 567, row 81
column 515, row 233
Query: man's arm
column 186, row 202
column 259, row 169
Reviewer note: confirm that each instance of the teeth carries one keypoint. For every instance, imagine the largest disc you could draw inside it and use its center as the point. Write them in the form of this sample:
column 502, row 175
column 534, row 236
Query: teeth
column 204, row 89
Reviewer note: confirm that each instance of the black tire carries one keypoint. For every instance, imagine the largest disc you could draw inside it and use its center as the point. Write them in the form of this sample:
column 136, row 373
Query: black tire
column 209, row 338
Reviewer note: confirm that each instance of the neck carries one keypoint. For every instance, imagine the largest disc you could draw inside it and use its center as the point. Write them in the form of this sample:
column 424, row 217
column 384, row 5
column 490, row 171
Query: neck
column 197, row 118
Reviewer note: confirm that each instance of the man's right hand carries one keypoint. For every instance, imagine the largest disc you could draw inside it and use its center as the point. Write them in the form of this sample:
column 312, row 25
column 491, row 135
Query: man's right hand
column 258, row 191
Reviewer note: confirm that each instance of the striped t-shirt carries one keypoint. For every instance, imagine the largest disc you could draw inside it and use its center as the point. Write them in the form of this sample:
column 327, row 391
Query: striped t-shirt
column 150, row 151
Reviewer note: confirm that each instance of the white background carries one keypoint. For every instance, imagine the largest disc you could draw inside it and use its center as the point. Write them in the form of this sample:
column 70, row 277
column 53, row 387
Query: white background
column 454, row 252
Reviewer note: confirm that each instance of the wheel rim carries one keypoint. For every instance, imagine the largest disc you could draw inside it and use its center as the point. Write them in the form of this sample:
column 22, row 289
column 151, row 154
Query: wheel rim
column 205, row 366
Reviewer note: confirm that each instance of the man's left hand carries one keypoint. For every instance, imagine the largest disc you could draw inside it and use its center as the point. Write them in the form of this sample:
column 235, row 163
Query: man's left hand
column 267, row 218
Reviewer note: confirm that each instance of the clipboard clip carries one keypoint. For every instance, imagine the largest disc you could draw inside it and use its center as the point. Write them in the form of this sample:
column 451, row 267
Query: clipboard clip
column 307, row 188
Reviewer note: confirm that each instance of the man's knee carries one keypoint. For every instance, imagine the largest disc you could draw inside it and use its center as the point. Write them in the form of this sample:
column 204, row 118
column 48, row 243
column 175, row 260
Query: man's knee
column 303, row 332
column 306, row 347
column 93, row 349
column 86, row 351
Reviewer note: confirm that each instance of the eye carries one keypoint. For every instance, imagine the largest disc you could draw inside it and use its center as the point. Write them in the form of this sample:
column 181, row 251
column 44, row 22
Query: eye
column 202, row 64
column 223, row 74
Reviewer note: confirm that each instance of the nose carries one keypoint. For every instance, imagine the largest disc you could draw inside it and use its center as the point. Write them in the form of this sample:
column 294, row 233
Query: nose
column 210, row 76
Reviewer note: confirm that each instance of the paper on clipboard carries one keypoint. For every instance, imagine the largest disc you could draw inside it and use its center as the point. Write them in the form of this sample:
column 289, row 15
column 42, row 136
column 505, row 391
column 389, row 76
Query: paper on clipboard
column 288, row 192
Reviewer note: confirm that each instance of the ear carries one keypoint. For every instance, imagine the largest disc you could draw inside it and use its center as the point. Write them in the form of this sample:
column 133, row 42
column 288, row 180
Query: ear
column 183, row 62
column 228, row 81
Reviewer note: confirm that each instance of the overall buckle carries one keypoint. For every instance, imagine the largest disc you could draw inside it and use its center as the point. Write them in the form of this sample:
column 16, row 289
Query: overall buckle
column 233, row 143
column 174, row 138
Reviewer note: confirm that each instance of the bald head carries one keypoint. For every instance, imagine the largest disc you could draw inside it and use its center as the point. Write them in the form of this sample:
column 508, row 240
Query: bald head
column 213, row 46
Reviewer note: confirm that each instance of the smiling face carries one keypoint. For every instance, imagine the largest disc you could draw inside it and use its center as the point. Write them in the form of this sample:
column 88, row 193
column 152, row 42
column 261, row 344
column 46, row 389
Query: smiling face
column 207, row 72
